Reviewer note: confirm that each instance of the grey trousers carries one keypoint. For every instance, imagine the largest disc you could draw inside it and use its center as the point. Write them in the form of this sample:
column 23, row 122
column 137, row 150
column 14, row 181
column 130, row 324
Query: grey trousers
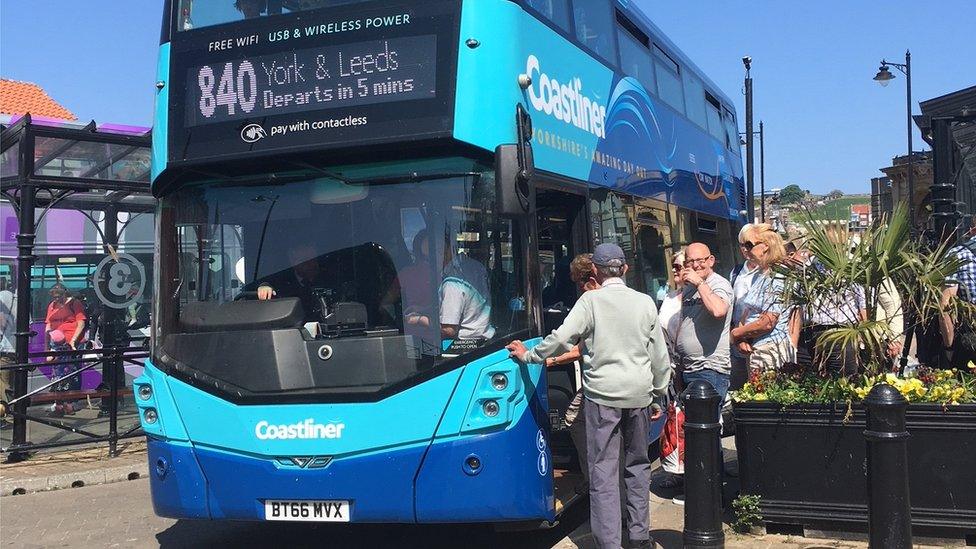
column 606, row 429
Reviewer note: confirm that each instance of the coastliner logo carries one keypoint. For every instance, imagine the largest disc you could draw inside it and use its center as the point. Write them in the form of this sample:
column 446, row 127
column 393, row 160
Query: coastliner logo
column 252, row 133
column 307, row 429
column 565, row 101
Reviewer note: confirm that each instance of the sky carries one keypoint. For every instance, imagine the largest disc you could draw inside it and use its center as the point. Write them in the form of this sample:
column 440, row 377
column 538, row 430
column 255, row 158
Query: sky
column 828, row 125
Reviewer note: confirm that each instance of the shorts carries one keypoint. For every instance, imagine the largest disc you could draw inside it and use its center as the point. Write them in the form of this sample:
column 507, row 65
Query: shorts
column 771, row 356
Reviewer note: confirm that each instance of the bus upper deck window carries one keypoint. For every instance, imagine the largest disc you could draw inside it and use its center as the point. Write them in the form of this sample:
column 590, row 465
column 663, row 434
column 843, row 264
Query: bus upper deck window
column 556, row 11
column 594, row 27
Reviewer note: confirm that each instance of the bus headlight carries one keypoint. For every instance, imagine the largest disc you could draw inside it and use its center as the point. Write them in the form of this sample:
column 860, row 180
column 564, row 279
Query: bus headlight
column 490, row 408
column 150, row 416
column 499, row 381
column 145, row 392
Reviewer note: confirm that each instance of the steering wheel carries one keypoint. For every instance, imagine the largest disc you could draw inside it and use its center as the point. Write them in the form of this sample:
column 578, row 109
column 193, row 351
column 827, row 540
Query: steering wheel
column 247, row 294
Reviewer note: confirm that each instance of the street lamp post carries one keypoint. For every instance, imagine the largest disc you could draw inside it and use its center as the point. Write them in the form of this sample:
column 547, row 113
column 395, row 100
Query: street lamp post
column 750, row 184
column 762, row 175
column 762, row 170
column 883, row 77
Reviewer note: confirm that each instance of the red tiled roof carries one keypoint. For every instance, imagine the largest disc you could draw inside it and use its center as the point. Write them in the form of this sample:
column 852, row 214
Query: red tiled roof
column 26, row 97
column 861, row 209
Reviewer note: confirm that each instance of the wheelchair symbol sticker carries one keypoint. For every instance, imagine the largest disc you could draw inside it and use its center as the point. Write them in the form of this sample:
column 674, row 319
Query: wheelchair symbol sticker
column 119, row 281
column 540, row 440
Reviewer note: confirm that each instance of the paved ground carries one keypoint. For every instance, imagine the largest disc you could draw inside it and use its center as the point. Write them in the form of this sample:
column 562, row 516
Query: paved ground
column 80, row 467
column 120, row 515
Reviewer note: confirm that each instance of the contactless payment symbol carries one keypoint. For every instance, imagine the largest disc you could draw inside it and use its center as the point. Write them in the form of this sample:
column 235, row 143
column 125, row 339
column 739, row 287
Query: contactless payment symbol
column 252, row 133
column 119, row 281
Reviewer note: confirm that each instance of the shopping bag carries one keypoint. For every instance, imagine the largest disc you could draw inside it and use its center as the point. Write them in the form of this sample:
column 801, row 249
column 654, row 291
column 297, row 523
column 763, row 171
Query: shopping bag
column 673, row 440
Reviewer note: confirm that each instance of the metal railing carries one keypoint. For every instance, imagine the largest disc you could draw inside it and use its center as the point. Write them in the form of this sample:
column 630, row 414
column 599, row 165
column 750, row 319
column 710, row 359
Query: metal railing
column 53, row 373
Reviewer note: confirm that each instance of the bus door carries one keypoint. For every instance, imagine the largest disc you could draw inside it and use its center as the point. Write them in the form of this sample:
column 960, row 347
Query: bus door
column 654, row 248
column 561, row 229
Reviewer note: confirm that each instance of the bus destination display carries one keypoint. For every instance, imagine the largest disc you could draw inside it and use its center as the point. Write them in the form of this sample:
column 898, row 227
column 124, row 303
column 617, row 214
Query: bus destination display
column 312, row 79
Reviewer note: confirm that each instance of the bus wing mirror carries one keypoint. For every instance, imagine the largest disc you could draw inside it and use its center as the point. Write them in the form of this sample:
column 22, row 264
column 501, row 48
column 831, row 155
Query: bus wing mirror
column 514, row 191
column 515, row 169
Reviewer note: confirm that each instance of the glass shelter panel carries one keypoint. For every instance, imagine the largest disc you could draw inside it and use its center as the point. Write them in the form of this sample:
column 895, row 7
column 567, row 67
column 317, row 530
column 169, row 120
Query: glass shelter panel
column 10, row 161
column 58, row 157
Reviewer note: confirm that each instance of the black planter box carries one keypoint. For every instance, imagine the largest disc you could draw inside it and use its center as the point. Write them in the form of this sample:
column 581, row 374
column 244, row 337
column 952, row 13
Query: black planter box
column 808, row 465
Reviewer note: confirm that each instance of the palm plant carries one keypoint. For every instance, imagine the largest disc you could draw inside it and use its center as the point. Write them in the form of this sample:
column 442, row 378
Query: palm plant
column 887, row 259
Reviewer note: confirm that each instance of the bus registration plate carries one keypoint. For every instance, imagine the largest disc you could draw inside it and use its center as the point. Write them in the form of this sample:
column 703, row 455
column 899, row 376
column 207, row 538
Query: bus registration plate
column 312, row 511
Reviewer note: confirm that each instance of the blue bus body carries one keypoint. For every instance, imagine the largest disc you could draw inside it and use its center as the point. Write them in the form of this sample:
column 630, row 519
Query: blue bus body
column 421, row 451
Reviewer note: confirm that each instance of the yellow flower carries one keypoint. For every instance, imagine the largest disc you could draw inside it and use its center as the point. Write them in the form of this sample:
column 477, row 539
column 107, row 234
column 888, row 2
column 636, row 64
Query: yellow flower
column 972, row 365
column 943, row 375
column 760, row 397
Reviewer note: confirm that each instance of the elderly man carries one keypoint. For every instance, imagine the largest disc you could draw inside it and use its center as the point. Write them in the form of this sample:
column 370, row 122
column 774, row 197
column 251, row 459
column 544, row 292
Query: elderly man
column 702, row 342
column 702, row 339
column 625, row 362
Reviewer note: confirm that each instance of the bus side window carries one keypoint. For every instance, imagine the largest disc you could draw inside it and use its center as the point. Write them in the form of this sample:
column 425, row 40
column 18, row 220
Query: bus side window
column 556, row 11
column 594, row 27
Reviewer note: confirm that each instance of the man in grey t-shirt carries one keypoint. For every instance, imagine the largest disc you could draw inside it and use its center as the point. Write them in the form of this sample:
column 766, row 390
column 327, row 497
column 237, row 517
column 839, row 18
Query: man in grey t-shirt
column 706, row 310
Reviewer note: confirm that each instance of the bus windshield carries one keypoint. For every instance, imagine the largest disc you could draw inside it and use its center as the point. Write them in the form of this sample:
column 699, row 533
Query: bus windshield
column 196, row 14
column 402, row 272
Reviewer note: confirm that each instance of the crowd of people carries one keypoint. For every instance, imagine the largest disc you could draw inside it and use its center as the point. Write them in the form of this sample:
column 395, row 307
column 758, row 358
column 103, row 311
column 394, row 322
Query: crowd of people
column 709, row 328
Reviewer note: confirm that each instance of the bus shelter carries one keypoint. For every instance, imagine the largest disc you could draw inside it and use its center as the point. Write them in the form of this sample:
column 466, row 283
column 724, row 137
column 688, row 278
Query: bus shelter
column 77, row 218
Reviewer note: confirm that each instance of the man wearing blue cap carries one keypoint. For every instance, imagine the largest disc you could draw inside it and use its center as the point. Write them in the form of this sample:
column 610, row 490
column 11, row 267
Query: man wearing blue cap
column 625, row 363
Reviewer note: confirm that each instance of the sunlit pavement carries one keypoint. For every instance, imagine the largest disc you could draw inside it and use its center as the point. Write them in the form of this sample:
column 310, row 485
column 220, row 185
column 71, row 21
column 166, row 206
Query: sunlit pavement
column 120, row 515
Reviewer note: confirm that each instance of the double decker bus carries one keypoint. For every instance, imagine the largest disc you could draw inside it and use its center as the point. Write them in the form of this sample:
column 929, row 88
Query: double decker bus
column 362, row 202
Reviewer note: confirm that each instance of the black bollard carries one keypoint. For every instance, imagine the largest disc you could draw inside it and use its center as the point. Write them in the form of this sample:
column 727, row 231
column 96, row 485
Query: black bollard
column 703, row 472
column 889, row 507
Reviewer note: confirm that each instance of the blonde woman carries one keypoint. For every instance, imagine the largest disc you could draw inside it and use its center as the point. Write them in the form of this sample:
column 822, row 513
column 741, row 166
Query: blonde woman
column 670, row 313
column 763, row 327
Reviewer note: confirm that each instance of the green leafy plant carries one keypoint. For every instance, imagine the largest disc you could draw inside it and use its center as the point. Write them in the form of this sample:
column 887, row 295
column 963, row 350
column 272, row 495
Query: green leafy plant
column 747, row 512
column 886, row 260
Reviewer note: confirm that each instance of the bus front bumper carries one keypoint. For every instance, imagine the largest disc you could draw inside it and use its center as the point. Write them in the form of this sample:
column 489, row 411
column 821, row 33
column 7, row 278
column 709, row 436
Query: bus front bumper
column 203, row 483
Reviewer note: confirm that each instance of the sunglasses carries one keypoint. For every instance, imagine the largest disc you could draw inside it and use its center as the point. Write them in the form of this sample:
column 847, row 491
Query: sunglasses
column 748, row 245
